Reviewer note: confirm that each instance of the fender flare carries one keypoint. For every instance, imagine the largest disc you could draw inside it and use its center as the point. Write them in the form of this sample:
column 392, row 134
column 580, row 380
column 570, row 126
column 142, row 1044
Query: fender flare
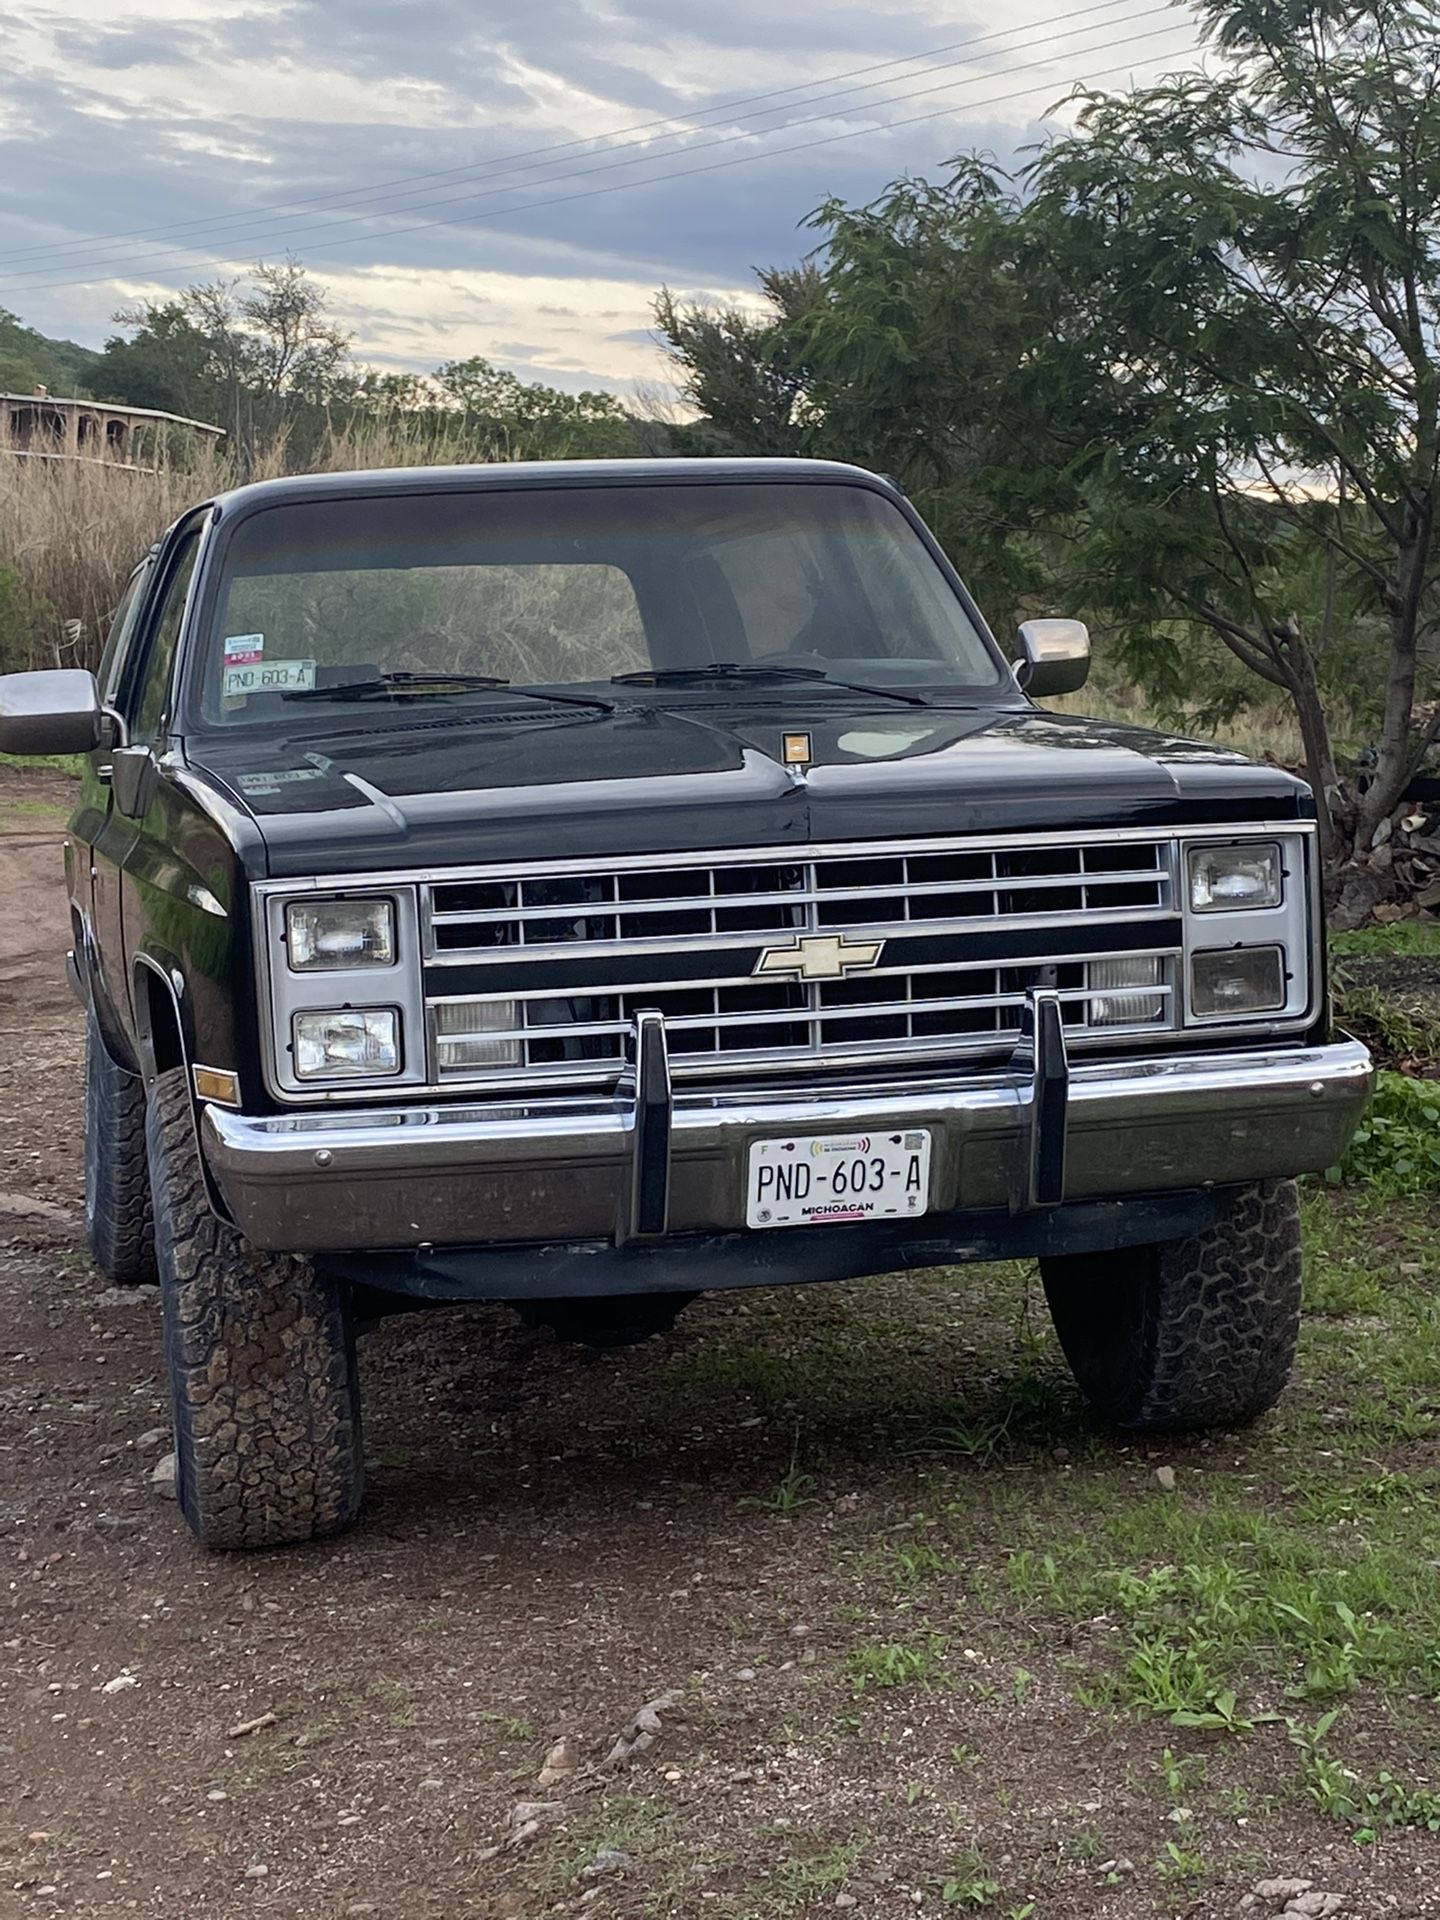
column 84, row 976
column 148, row 968
column 164, row 968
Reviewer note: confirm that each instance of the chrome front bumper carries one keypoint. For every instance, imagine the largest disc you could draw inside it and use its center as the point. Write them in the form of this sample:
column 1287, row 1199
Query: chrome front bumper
column 644, row 1164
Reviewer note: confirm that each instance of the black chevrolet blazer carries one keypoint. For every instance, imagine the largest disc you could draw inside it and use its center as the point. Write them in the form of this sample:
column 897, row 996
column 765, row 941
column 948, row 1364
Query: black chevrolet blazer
column 583, row 885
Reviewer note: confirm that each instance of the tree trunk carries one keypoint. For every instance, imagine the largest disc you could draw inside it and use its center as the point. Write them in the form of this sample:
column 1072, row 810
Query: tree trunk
column 1320, row 769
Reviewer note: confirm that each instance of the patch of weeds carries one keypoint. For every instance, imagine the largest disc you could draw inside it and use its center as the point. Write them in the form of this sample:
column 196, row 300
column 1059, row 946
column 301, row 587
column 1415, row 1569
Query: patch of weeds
column 1396, row 1149
column 795, row 1491
column 970, row 1882
column 1369, row 1807
column 978, row 1439
column 620, row 1822
column 1084, row 1848
column 394, row 1697
column 1335, row 1664
column 893, row 1663
column 1182, row 1774
column 1392, row 1033
column 823, row 1870
column 510, row 1726
column 1021, row 1682
column 1161, row 1677
column 1181, row 1865
column 915, row 1560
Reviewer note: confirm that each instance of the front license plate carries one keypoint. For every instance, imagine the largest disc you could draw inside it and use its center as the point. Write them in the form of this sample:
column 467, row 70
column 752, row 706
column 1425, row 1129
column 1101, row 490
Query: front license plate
column 822, row 1179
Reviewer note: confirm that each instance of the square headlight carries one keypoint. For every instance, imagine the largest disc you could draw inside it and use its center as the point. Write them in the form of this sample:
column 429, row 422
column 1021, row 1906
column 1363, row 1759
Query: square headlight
column 1232, row 879
column 324, row 936
column 1237, row 980
column 347, row 1043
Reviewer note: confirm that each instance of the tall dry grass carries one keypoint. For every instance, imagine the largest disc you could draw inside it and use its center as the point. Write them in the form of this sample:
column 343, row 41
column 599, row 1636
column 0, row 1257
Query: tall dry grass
column 71, row 531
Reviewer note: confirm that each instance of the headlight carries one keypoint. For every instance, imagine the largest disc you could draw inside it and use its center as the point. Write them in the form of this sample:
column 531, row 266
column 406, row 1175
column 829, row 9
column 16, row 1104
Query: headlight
column 1237, row 980
column 1111, row 1005
column 347, row 1043
column 326, row 935
column 1229, row 879
column 465, row 1033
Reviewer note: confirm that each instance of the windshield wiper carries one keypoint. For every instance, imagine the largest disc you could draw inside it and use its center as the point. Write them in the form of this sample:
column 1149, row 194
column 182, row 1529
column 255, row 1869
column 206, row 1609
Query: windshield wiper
column 737, row 672
column 384, row 686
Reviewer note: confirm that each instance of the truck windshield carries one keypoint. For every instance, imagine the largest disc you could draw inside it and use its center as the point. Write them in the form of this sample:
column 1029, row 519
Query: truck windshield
column 432, row 595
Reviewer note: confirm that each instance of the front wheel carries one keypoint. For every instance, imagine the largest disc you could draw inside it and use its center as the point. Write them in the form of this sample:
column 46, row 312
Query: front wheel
column 1198, row 1332
column 260, row 1351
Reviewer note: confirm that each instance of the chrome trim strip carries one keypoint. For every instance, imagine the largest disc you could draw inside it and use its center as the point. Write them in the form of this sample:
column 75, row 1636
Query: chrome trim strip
column 754, row 856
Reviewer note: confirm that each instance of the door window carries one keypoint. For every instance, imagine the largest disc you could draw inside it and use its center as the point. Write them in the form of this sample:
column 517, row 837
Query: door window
column 151, row 693
column 122, row 632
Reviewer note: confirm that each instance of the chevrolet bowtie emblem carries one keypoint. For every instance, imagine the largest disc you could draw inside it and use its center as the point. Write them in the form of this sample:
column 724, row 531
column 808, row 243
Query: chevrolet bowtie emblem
column 821, row 957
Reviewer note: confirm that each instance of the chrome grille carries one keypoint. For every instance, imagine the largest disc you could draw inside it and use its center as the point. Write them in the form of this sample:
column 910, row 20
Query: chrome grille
column 947, row 983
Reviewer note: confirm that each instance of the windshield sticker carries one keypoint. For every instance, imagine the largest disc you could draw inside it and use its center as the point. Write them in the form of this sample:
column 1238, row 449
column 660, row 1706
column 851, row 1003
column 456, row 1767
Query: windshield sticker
column 244, row 649
column 267, row 676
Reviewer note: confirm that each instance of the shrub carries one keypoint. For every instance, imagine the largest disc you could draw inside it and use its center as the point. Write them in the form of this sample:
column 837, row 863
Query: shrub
column 1397, row 1146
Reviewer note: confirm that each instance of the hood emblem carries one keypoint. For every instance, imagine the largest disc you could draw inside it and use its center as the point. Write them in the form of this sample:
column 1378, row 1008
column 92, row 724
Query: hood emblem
column 827, row 956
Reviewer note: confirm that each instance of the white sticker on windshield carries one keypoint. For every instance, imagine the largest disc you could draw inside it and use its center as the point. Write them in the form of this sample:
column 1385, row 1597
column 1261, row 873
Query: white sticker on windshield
column 268, row 676
column 244, row 649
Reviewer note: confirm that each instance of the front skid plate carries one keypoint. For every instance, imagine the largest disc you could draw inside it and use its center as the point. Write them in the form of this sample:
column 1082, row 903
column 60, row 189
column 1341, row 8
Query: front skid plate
column 786, row 1257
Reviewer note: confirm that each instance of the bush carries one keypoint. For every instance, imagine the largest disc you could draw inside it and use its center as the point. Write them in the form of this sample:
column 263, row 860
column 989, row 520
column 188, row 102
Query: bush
column 1396, row 1149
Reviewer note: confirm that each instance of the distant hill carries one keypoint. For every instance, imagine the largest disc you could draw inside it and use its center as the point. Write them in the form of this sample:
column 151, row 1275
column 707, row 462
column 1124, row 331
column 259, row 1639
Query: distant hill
column 28, row 359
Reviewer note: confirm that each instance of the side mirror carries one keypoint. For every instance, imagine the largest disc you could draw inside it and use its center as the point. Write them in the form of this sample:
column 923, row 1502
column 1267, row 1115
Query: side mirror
column 49, row 712
column 1054, row 656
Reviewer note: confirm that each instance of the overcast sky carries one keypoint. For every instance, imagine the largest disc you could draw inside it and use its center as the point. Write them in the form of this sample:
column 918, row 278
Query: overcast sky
column 549, row 211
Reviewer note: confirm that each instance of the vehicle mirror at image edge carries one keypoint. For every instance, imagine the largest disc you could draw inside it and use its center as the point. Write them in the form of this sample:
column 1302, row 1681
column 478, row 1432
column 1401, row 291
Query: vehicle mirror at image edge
column 1054, row 657
column 56, row 710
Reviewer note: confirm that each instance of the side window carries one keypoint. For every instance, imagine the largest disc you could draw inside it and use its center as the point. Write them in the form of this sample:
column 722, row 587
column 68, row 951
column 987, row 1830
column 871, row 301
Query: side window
column 122, row 630
column 150, row 695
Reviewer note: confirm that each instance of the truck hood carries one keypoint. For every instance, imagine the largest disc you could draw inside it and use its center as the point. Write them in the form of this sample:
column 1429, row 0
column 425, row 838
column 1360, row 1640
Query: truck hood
column 503, row 784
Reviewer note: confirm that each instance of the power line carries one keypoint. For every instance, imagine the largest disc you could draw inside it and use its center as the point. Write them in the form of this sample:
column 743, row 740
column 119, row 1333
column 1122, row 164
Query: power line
column 261, row 234
column 516, row 161
column 122, row 268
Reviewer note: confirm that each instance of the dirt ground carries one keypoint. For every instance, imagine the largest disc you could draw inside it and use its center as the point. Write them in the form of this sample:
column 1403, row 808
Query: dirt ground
column 552, row 1540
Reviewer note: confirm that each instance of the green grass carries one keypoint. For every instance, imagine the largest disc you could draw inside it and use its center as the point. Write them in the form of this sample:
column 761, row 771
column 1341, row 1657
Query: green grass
column 1401, row 936
column 69, row 763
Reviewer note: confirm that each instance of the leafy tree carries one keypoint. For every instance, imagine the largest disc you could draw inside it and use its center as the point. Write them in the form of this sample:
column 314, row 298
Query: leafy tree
column 29, row 359
column 263, row 351
column 511, row 418
column 1253, row 274
column 744, row 370
column 168, row 363
column 1180, row 372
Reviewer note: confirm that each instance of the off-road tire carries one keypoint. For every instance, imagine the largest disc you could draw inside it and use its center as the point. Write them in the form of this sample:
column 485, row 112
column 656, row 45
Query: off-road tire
column 1198, row 1332
column 260, row 1350
column 118, row 1222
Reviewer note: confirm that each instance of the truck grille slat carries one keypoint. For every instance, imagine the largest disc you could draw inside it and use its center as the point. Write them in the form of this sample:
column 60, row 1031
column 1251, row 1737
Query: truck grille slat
column 669, row 915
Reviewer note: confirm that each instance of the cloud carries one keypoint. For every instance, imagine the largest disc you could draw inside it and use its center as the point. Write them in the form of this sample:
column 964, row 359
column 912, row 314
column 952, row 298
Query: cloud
column 215, row 135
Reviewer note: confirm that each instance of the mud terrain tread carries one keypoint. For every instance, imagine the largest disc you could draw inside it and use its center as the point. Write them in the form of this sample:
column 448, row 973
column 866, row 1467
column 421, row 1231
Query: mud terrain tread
column 118, row 1223
column 261, row 1356
column 1199, row 1332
